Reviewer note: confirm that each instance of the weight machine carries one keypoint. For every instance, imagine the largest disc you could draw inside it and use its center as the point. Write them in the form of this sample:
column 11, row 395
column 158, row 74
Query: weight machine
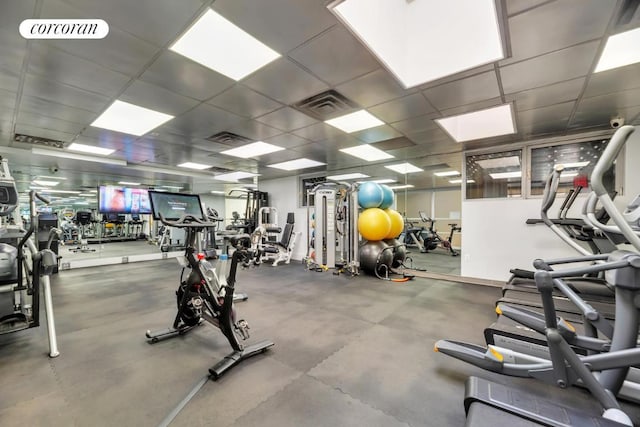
column 333, row 238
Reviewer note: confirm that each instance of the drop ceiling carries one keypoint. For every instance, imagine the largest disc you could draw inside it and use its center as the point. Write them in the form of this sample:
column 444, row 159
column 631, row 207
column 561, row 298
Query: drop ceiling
column 56, row 88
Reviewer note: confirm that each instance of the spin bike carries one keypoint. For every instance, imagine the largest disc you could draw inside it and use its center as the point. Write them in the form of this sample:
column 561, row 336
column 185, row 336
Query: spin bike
column 205, row 296
column 433, row 239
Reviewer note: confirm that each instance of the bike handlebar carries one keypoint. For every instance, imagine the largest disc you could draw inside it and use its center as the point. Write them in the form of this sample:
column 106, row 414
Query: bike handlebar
column 186, row 221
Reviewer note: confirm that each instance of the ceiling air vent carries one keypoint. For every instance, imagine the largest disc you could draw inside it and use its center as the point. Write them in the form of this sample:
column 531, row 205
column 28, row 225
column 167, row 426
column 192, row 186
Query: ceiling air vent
column 326, row 105
column 36, row 140
column 228, row 138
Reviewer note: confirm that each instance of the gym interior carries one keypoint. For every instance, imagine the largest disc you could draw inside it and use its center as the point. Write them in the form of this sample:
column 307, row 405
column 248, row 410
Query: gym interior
column 317, row 213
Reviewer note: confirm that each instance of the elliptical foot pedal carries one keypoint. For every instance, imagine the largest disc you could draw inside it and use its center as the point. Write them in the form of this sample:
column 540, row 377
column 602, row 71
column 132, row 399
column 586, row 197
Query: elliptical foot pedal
column 232, row 359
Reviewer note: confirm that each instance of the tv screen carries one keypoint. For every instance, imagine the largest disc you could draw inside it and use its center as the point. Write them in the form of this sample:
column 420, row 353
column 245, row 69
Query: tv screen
column 174, row 205
column 123, row 200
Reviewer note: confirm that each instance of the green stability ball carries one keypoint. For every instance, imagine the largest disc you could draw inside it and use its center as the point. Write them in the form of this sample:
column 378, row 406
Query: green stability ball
column 387, row 197
column 370, row 195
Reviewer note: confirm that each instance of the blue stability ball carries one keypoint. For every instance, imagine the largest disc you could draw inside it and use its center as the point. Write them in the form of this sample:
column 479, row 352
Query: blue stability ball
column 370, row 195
column 387, row 196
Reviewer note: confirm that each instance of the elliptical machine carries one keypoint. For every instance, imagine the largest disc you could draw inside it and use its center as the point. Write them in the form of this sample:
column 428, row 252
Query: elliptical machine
column 206, row 295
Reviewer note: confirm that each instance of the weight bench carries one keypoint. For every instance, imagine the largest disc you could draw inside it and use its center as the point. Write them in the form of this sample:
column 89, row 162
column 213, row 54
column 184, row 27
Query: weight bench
column 281, row 251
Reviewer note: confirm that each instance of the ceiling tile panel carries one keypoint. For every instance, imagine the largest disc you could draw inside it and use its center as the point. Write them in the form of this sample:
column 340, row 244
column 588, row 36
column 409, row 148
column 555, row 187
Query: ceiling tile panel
column 431, row 135
column 544, row 120
column 103, row 137
column 12, row 49
column 156, row 98
column 44, row 107
column 378, row 133
column 466, row 91
column 63, row 94
column 45, row 122
column 547, row 69
column 284, row 81
column 615, row 80
column 7, row 99
column 9, row 80
column 181, row 75
column 402, row 108
column 373, row 88
column 415, row 124
column 287, row 119
column 587, row 117
column 557, row 25
column 156, row 21
column 599, row 110
column 287, row 140
column 55, row 64
column 547, row 95
column 517, row 6
column 254, row 130
column 280, row 24
column 335, row 56
column 461, row 75
column 202, row 122
column 244, row 102
column 318, row 132
column 472, row 107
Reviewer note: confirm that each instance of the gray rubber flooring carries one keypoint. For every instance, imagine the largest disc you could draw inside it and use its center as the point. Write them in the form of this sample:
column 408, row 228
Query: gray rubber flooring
column 349, row 352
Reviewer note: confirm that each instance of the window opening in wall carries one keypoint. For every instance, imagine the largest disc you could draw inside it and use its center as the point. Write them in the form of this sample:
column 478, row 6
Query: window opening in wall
column 578, row 159
column 307, row 184
column 494, row 175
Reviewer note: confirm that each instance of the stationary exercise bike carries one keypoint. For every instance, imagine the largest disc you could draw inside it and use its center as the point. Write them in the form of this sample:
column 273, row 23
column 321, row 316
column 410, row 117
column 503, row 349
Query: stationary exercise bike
column 432, row 239
column 207, row 296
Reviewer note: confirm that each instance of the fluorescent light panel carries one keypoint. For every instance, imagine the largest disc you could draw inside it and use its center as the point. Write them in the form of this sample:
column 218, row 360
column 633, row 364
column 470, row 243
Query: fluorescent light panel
column 367, row 152
column 404, row 168
column 620, row 50
column 47, row 190
column 499, row 162
column 296, row 164
column 493, row 121
column 217, row 43
column 234, row 176
column 217, row 192
column 253, row 150
column 90, row 149
column 459, row 181
column 128, row 183
column 418, row 41
column 401, row 187
column 383, row 181
column 506, row 175
column 447, row 173
column 129, row 118
column 347, row 176
column 74, row 156
column 192, row 165
column 354, row 122
column 571, row 165
column 52, row 177
column 46, row 183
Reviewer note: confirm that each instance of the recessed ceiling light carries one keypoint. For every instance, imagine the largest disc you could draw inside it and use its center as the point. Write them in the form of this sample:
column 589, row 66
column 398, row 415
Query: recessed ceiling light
column 217, row 192
column 34, row 187
column 52, row 177
column 46, row 183
column 46, row 190
column 296, row 164
column 234, row 176
column 620, row 50
column 81, row 203
column 93, row 191
column 192, row 165
column 447, row 173
column 506, row 175
column 129, row 118
column 347, row 176
column 252, row 150
column 493, row 121
column 418, row 41
column 216, row 43
column 499, row 162
column 128, row 183
column 367, row 152
column 354, row 122
column 383, row 181
column 86, row 194
column 400, row 187
column 89, row 149
column 459, row 181
column 570, row 165
column 404, row 168
column 172, row 187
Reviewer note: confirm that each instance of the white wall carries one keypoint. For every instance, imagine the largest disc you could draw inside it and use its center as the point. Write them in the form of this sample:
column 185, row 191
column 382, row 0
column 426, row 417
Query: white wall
column 283, row 195
column 496, row 237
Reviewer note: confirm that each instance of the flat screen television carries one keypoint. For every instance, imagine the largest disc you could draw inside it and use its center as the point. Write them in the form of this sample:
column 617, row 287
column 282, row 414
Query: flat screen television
column 174, row 205
column 123, row 200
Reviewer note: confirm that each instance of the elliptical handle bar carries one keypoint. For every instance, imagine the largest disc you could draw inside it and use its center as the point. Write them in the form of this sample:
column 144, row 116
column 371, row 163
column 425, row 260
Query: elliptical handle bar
column 610, row 153
column 550, row 191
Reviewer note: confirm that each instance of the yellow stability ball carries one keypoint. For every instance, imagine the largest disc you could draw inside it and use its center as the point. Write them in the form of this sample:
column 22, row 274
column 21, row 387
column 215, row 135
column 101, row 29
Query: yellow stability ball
column 397, row 224
column 374, row 224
